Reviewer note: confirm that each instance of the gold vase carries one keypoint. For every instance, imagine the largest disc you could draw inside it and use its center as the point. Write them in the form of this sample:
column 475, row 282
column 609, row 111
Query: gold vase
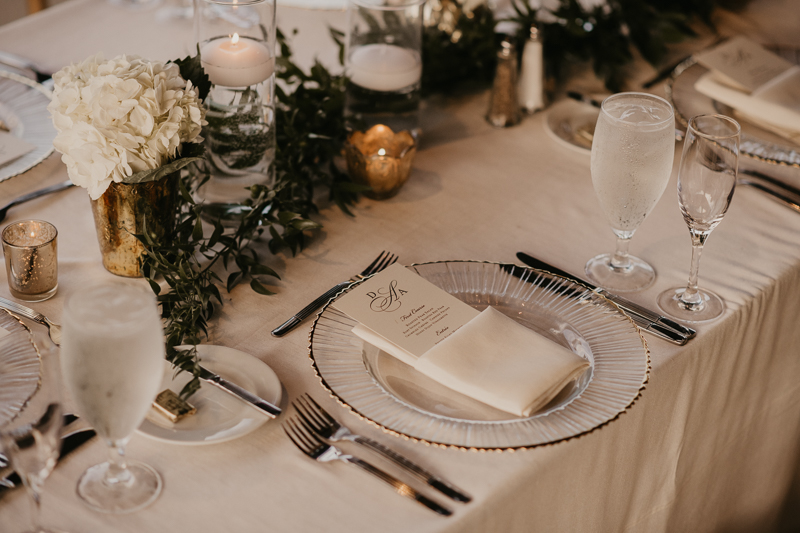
column 126, row 210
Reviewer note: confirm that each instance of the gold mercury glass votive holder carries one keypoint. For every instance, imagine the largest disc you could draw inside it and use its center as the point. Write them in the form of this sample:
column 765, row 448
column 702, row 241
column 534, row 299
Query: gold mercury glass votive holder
column 31, row 253
column 381, row 159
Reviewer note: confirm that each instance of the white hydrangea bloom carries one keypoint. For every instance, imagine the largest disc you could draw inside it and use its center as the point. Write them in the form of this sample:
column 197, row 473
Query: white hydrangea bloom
column 121, row 116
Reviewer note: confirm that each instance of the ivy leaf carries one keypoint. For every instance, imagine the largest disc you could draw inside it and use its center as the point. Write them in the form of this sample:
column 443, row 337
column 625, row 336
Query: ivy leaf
column 259, row 288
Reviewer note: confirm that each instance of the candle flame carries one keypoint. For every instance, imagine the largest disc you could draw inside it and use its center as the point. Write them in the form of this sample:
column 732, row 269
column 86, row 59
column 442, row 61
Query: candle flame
column 381, row 152
column 235, row 38
column 33, row 234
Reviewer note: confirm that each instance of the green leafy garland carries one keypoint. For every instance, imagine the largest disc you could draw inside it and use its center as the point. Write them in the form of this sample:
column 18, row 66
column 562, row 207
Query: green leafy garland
column 310, row 131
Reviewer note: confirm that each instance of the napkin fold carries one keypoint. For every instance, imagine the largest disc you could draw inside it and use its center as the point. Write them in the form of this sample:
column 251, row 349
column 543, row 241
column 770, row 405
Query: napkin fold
column 495, row 360
column 763, row 107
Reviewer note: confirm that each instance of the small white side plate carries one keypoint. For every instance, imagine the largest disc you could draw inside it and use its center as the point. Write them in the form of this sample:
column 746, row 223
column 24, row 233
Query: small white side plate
column 571, row 124
column 220, row 417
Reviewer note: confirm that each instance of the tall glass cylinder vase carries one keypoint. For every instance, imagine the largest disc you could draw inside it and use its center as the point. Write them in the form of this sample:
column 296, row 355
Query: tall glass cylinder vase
column 384, row 64
column 236, row 39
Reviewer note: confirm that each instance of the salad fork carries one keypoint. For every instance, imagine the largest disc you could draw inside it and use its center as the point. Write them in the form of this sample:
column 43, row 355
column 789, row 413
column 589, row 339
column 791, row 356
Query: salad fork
column 53, row 329
column 317, row 420
column 314, row 447
column 384, row 260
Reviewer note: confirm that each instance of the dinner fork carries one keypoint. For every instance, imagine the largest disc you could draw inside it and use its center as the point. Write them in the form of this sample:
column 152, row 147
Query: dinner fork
column 384, row 260
column 53, row 329
column 313, row 446
column 319, row 421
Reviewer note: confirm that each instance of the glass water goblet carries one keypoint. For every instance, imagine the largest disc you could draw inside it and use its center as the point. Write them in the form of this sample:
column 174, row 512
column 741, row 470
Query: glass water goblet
column 632, row 154
column 32, row 440
column 706, row 181
column 112, row 356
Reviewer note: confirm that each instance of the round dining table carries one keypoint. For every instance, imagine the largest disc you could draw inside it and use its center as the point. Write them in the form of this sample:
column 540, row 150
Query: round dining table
column 711, row 445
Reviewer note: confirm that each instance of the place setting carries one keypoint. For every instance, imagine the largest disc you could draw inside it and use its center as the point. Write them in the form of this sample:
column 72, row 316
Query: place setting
column 228, row 189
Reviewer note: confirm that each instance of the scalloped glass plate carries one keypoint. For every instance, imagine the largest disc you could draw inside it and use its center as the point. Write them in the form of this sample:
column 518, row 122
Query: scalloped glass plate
column 756, row 142
column 23, row 109
column 394, row 396
column 19, row 367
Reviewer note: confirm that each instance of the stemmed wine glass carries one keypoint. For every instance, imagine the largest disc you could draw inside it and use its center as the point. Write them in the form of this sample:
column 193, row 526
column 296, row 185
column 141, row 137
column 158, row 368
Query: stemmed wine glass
column 112, row 354
column 32, row 440
column 706, row 181
column 632, row 153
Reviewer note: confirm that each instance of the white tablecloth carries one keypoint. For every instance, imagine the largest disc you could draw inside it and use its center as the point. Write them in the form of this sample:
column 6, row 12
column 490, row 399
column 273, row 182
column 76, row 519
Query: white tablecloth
column 710, row 446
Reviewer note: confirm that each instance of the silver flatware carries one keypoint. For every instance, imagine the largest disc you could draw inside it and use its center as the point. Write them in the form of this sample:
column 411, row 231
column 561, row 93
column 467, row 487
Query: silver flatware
column 381, row 262
column 318, row 420
column 316, row 448
column 644, row 318
column 35, row 194
column 778, row 190
column 254, row 401
column 53, row 329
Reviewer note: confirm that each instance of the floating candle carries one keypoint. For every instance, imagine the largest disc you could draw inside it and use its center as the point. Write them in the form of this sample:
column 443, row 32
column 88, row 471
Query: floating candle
column 384, row 67
column 235, row 62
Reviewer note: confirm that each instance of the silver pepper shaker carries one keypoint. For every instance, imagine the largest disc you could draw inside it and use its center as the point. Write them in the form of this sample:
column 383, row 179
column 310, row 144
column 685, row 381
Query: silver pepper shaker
column 531, row 82
column 504, row 107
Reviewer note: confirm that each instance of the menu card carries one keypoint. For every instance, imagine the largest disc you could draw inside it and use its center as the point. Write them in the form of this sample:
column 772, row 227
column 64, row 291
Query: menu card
column 743, row 64
column 405, row 309
column 12, row 148
column 486, row 356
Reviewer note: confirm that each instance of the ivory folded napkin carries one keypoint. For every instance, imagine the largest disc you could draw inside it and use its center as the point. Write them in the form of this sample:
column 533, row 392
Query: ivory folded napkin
column 495, row 360
column 763, row 107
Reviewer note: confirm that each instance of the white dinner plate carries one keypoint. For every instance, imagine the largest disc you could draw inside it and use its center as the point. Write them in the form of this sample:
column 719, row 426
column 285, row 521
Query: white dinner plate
column 220, row 417
column 402, row 401
column 23, row 109
column 571, row 123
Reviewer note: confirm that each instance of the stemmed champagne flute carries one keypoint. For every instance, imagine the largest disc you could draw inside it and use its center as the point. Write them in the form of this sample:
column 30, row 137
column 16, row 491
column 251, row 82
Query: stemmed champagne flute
column 32, row 440
column 632, row 152
column 706, row 181
column 112, row 355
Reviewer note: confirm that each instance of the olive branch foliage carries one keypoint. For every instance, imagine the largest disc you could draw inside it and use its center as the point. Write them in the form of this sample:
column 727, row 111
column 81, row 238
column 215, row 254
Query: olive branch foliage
column 310, row 131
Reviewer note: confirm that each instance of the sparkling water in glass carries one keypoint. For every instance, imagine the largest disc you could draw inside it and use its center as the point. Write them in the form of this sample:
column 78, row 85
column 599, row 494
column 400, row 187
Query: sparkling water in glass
column 112, row 356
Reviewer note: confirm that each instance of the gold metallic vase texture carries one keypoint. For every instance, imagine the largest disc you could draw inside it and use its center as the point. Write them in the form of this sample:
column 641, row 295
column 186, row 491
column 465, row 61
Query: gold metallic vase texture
column 126, row 210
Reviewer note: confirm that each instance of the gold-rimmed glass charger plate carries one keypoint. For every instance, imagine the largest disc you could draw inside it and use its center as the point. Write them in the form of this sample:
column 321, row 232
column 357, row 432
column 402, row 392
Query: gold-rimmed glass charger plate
column 402, row 401
column 756, row 142
column 23, row 110
column 19, row 367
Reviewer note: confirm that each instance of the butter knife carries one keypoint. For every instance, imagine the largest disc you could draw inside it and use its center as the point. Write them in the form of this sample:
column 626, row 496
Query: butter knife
column 231, row 388
column 647, row 320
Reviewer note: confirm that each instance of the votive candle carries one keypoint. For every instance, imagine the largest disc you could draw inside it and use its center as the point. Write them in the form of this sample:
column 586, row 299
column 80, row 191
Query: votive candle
column 31, row 254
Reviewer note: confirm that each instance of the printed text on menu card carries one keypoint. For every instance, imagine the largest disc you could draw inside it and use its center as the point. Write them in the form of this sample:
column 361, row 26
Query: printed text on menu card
column 405, row 309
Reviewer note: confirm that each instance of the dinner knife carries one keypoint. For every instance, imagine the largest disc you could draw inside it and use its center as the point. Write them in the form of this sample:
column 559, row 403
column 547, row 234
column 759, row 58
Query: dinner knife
column 780, row 191
column 261, row 404
column 646, row 319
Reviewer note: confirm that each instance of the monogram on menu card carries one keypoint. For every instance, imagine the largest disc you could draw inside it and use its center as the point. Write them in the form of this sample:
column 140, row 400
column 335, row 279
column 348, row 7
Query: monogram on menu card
column 386, row 299
column 406, row 309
